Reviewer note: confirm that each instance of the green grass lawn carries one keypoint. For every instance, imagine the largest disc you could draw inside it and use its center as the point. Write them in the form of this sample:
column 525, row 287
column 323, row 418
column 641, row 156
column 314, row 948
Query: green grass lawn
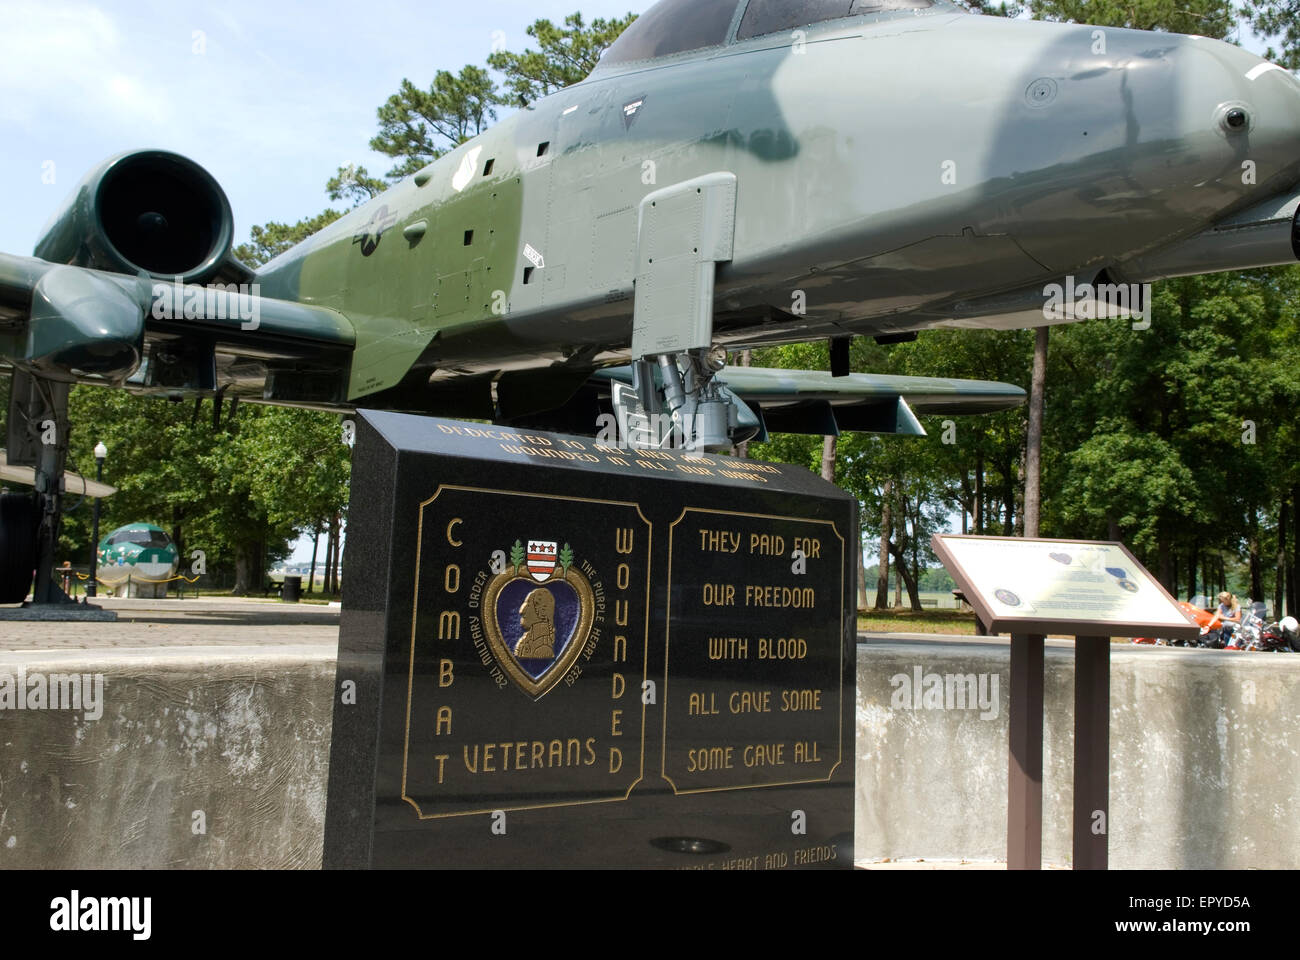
column 904, row 620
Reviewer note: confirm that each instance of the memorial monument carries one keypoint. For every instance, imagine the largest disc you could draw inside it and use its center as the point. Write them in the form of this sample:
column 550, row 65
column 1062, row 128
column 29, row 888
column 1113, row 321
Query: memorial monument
column 560, row 653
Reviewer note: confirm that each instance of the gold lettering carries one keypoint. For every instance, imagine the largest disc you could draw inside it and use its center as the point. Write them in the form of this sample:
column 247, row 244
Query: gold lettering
column 764, row 754
column 574, row 752
column 708, row 758
column 444, row 717
column 620, row 648
column 614, row 718
column 615, row 759
column 620, row 613
column 719, row 595
column 623, row 538
column 619, row 686
column 449, row 625
column 793, row 700
column 624, row 576
column 447, row 578
column 454, row 521
column 441, row 758
column 445, row 676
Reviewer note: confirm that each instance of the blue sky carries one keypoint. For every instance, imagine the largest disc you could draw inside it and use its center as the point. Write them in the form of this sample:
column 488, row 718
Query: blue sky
column 280, row 96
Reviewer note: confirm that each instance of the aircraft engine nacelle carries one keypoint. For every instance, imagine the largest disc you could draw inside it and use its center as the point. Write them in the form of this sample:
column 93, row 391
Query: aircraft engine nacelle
column 148, row 210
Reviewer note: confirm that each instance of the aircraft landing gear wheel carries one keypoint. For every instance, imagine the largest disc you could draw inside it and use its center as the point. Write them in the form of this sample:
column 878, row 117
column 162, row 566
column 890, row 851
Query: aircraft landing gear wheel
column 19, row 518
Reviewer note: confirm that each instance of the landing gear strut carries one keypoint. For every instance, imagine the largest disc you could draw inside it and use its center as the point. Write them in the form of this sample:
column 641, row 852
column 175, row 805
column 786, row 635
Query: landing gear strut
column 38, row 436
column 686, row 406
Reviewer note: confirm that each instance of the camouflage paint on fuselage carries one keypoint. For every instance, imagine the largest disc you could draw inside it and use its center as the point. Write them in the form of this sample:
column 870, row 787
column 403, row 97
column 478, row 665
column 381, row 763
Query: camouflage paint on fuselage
column 891, row 188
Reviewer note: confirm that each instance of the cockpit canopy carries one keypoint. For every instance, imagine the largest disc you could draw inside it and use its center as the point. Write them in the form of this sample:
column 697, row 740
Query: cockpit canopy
column 680, row 26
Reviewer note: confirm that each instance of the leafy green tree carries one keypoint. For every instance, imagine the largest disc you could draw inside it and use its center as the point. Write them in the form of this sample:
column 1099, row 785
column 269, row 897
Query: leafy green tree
column 418, row 126
column 1279, row 19
column 240, row 492
column 272, row 239
column 1208, row 18
column 353, row 184
column 567, row 55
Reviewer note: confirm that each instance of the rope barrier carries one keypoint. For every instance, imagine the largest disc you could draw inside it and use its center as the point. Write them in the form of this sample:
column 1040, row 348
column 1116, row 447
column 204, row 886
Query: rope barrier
column 134, row 578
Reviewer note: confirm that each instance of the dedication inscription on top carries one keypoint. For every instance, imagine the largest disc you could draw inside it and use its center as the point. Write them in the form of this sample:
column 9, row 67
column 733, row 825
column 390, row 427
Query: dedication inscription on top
column 557, row 653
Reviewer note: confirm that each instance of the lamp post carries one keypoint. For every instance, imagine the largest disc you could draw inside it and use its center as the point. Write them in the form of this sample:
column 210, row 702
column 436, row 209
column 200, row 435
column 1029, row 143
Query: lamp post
column 92, row 590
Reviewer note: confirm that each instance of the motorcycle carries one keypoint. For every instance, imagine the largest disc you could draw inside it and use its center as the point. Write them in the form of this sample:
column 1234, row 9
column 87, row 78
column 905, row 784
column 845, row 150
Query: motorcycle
column 1279, row 637
column 1211, row 624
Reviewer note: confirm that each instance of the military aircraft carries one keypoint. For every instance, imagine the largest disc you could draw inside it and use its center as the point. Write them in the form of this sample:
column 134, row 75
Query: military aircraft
column 733, row 173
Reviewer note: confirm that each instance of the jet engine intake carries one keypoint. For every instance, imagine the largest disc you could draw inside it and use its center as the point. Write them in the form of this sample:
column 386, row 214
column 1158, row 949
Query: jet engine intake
column 151, row 211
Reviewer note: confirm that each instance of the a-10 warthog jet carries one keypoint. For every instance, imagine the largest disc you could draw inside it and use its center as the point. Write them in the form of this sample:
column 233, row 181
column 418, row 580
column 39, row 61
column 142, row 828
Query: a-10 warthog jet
column 734, row 173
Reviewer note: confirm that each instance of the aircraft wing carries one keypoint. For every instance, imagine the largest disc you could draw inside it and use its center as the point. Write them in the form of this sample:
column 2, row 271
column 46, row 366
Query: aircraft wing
column 810, row 401
column 75, row 483
column 68, row 322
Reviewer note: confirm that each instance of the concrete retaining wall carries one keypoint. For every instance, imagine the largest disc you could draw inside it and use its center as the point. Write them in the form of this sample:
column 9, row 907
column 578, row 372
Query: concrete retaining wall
column 239, row 734
column 1205, row 768
column 1205, row 757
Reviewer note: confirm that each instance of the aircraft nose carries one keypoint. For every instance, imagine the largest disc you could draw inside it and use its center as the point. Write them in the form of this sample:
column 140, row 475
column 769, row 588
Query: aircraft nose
column 1134, row 137
column 1255, row 111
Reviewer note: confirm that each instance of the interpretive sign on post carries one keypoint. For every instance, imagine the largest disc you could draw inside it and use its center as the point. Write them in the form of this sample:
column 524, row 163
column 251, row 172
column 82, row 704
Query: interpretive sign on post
column 1059, row 586
column 559, row 653
column 1091, row 591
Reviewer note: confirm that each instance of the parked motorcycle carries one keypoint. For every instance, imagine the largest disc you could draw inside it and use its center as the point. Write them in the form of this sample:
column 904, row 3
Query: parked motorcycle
column 1255, row 632
column 1277, row 637
column 1211, row 625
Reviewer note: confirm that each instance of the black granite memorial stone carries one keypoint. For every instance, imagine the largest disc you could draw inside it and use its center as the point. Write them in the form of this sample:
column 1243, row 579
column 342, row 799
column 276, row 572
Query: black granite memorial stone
column 555, row 653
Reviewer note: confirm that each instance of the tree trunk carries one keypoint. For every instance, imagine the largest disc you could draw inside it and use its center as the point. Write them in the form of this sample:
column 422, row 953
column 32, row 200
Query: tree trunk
column 979, row 494
column 178, row 538
column 1191, row 571
column 886, row 528
column 1291, row 600
column 965, row 502
column 746, row 358
column 329, row 553
column 246, row 577
column 1279, row 588
column 828, row 459
column 900, row 564
column 862, row 577
column 1034, row 437
column 338, row 551
column 1256, row 562
column 1008, row 506
column 1165, row 563
column 315, row 546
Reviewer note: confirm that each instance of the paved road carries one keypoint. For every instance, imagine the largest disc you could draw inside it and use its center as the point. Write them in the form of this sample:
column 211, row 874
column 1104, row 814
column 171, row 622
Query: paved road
column 210, row 621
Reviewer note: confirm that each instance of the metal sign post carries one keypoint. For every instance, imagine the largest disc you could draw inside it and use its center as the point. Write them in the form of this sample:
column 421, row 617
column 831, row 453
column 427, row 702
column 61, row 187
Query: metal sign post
column 1093, row 591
